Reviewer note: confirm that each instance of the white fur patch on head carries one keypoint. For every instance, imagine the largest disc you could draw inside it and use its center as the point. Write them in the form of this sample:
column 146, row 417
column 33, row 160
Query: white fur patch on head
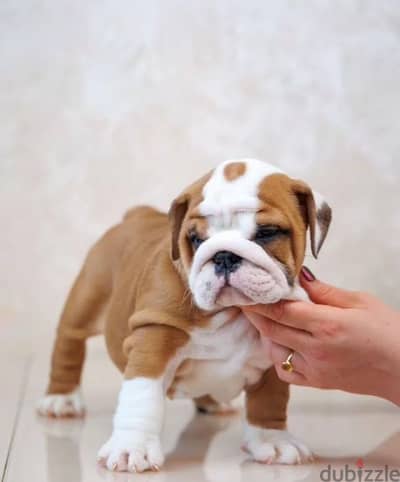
column 223, row 198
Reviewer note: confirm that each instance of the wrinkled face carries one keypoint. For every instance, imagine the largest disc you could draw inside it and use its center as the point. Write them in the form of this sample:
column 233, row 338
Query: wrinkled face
column 240, row 234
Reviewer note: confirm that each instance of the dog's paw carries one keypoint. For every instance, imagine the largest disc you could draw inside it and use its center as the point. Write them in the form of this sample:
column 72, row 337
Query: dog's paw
column 132, row 451
column 62, row 405
column 275, row 447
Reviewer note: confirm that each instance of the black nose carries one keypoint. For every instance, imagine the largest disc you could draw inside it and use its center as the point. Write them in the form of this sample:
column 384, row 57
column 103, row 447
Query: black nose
column 226, row 262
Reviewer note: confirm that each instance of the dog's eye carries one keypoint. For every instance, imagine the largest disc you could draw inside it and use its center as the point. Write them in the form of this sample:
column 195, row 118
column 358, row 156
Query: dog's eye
column 266, row 233
column 195, row 240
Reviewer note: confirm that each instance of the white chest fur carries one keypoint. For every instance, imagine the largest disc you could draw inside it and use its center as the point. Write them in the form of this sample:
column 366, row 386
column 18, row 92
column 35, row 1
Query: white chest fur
column 221, row 359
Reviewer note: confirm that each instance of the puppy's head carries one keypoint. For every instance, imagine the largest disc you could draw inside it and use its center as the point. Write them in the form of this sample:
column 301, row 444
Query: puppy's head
column 239, row 234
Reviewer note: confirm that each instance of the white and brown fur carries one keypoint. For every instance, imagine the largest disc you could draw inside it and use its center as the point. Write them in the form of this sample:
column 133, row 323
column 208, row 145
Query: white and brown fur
column 173, row 327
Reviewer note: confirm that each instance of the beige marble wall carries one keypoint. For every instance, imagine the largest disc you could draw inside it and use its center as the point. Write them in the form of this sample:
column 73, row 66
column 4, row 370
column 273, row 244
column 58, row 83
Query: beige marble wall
column 107, row 104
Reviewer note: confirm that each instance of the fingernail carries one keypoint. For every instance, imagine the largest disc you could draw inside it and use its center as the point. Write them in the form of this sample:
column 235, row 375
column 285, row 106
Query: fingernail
column 307, row 274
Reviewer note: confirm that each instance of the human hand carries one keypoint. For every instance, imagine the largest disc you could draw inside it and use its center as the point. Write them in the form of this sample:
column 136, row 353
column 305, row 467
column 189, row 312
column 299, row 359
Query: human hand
column 346, row 340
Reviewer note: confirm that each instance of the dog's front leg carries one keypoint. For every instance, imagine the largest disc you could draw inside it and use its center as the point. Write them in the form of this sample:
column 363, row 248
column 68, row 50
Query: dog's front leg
column 135, row 442
column 265, row 436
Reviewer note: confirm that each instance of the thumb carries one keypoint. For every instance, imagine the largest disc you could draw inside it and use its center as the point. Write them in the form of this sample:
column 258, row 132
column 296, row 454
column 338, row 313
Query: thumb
column 326, row 294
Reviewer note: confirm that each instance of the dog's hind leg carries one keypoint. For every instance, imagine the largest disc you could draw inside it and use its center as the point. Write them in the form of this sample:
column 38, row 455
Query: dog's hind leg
column 81, row 318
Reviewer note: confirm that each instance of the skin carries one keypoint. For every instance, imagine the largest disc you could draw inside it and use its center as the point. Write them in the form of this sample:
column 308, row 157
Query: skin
column 344, row 340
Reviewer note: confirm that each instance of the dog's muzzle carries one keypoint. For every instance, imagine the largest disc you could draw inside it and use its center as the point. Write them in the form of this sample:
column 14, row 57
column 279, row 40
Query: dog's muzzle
column 230, row 269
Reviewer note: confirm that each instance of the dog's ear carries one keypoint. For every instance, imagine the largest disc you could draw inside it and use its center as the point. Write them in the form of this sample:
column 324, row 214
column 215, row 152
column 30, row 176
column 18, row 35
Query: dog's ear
column 316, row 213
column 191, row 195
column 176, row 216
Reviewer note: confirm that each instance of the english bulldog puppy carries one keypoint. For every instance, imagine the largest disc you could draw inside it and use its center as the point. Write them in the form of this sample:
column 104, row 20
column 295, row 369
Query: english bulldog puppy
column 166, row 291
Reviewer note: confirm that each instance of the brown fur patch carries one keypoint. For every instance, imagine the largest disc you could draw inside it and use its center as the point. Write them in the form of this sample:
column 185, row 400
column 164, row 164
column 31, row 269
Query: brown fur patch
column 234, row 170
column 150, row 348
column 280, row 207
column 266, row 401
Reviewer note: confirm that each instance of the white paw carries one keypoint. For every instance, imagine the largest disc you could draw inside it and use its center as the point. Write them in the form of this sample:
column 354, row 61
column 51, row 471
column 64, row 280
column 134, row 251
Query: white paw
column 275, row 446
column 132, row 451
column 62, row 405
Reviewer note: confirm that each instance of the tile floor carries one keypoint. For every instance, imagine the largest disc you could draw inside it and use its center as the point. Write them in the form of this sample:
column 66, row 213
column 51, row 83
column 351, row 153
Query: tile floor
column 339, row 428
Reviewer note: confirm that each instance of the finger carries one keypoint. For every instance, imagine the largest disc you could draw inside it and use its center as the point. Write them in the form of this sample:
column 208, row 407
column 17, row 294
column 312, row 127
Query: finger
column 297, row 314
column 293, row 378
column 280, row 353
column 326, row 294
column 281, row 334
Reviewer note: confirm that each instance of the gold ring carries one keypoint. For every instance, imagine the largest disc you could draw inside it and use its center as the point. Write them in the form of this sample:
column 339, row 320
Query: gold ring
column 287, row 365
